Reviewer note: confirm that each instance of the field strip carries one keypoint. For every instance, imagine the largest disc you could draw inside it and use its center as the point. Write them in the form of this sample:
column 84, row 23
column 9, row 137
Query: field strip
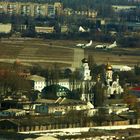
column 35, row 61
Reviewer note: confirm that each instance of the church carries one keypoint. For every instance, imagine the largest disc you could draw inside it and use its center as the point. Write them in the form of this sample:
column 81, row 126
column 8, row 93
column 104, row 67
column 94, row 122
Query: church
column 113, row 86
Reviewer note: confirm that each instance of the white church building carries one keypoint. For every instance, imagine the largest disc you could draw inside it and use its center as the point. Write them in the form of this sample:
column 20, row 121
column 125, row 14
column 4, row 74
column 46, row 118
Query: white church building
column 86, row 83
column 113, row 86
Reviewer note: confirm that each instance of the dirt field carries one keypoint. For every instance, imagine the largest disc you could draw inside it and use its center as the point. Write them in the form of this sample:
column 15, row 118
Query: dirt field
column 55, row 51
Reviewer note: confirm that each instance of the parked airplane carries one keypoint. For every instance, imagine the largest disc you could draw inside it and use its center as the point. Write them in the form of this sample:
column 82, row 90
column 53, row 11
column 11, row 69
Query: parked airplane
column 80, row 45
column 112, row 45
column 84, row 45
column 106, row 46
column 100, row 47
column 81, row 29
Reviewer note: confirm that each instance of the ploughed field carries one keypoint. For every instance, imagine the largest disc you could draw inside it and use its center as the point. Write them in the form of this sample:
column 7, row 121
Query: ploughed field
column 62, row 51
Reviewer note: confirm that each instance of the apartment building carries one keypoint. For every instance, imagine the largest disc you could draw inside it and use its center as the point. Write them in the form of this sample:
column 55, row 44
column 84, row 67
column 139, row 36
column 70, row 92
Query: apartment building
column 30, row 9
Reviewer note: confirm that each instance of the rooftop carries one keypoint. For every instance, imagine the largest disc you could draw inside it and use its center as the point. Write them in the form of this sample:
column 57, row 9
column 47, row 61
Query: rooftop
column 36, row 78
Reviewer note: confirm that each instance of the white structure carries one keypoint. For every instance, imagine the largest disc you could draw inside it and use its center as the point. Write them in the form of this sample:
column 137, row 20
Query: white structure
column 5, row 28
column 109, row 73
column 103, row 46
column 112, row 45
column 113, row 87
column 85, row 70
column 39, row 82
column 86, row 84
column 40, row 29
column 118, row 8
column 81, row 29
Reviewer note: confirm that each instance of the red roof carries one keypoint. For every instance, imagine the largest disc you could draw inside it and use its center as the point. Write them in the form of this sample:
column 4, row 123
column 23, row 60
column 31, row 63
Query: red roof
column 136, row 88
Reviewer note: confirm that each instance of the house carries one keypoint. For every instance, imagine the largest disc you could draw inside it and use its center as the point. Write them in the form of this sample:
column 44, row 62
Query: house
column 38, row 82
column 115, row 108
column 118, row 8
column 61, row 106
column 36, row 124
column 64, row 29
column 12, row 112
column 64, row 83
column 41, row 29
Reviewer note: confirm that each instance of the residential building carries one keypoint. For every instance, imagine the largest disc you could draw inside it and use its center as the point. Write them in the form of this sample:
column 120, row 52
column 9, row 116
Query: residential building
column 65, row 83
column 40, row 29
column 38, row 82
column 118, row 8
column 31, row 8
column 12, row 113
column 61, row 106
column 58, row 8
column 51, row 10
column 87, row 13
column 64, row 29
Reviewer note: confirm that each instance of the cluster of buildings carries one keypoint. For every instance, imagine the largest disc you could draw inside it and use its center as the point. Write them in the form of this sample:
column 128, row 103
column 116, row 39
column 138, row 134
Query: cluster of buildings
column 41, row 9
column 91, row 102
column 86, row 13
column 7, row 28
column 31, row 9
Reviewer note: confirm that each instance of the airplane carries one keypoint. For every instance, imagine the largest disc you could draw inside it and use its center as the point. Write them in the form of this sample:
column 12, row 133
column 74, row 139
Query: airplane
column 100, row 47
column 83, row 46
column 81, row 29
column 80, row 45
column 106, row 46
column 112, row 45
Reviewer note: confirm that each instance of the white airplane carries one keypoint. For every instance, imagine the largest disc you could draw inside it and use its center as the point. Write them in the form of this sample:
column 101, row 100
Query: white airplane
column 80, row 45
column 106, row 47
column 84, row 45
column 100, row 47
column 81, row 29
column 87, row 45
column 112, row 45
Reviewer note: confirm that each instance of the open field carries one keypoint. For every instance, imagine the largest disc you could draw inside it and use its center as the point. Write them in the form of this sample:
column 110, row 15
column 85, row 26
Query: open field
column 61, row 51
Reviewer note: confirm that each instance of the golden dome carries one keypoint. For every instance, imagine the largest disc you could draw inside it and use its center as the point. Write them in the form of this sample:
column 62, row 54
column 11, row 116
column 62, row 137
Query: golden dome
column 108, row 67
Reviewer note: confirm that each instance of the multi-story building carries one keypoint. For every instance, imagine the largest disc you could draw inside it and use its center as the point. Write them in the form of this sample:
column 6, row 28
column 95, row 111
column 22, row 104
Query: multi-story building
column 37, row 82
column 31, row 9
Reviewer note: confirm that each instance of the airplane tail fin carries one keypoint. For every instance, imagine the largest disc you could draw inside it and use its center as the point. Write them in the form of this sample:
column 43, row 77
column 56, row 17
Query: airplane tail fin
column 115, row 42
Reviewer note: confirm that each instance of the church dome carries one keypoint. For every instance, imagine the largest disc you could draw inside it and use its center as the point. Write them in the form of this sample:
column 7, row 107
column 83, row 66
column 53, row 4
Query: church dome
column 108, row 67
column 56, row 91
column 84, row 60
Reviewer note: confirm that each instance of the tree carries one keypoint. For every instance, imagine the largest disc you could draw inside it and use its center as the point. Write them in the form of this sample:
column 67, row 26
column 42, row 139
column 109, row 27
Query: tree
column 99, row 94
column 137, row 69
column 100, row 117
column 11, row 82
column 131, row 100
